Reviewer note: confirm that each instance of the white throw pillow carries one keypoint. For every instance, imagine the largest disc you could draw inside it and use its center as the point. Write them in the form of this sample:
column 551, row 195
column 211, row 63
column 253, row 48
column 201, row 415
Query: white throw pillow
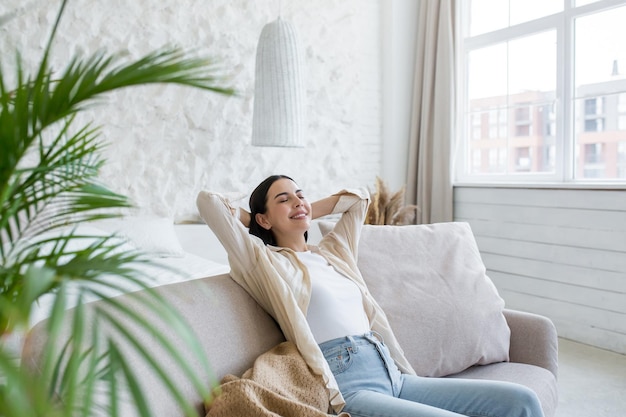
column 85, row 235
column 431, row 282
column 153, row 235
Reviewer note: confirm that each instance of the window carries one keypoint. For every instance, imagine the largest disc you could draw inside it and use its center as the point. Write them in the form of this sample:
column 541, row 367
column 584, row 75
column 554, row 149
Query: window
column 522, row 159
column 476, row 160
column 593, row 165
column 547, row 81
column 594, row 114
column 493, row 124
column 621, row 109
column 621, row 152
column 621, row 159
column 593, row 153
column 476, row 126
column 522, row 121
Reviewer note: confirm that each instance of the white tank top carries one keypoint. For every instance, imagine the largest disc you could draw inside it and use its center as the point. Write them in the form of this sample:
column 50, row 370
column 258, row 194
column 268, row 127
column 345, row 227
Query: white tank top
column 336, row 305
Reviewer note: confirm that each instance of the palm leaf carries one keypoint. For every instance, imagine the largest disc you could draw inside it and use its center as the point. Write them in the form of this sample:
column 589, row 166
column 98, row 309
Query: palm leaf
column 49, row 170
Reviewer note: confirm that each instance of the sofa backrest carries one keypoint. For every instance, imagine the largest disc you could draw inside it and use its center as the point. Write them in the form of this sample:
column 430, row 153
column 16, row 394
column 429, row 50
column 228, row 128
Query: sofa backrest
column 231, row 327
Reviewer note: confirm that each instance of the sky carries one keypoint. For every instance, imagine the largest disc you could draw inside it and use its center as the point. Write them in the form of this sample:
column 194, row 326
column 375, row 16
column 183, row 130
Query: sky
column 531, row 61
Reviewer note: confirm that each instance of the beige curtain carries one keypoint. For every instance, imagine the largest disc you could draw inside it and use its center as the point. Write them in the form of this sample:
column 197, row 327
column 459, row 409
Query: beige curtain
column 429, row 182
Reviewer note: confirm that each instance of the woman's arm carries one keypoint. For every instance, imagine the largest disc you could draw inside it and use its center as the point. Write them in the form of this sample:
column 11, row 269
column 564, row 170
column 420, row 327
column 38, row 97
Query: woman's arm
column 244, row 217
column 352, row 205
column 324, row 206
column 220, row 216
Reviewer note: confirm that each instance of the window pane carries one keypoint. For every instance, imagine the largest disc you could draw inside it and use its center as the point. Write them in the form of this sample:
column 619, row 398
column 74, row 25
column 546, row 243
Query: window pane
column 599, row 48
column 515, row 139
column 600, row 137
column 600, row 107
column 488, row 15
column 532, row 63
column 526, row 10
column 487, row 72
column 512, row 106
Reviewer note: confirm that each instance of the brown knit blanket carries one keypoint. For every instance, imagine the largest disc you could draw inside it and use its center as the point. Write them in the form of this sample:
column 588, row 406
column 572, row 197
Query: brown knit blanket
column 280, row 383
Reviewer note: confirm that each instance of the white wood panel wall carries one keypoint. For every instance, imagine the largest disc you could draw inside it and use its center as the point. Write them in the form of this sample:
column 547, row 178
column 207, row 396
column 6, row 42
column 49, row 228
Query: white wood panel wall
column 556, row 252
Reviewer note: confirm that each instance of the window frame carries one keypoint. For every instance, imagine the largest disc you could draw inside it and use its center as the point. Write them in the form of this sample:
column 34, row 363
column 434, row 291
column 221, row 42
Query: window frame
column 565, row 140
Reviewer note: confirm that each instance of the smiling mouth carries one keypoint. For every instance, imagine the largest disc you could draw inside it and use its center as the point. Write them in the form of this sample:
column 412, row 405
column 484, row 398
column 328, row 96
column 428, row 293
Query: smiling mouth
column 299, row 216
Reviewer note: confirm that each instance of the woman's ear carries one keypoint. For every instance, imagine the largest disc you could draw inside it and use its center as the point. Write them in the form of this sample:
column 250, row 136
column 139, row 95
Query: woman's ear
column 262, row 221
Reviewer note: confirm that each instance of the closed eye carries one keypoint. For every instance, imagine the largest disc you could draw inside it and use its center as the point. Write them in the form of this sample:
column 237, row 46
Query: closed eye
column 284, row 197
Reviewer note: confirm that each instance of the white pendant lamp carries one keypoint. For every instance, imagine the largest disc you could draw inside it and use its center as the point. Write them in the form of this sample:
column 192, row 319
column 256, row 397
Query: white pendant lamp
column 278, row 115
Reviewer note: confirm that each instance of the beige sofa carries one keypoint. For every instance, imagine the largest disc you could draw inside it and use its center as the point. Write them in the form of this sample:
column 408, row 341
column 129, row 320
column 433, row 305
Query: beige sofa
column 234, row 330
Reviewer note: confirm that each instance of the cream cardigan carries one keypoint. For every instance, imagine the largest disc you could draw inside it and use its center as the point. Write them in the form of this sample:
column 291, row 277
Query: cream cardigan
column 280, row 283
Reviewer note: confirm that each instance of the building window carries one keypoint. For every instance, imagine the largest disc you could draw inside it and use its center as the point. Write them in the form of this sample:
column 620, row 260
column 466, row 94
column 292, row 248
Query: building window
column 523, row 123
column 593, row 153
column 594, row 125
column 476, row 160
column 594, row 114
column 621, row 159
column 621, row 152
column 549, row 119
column 477, row 128
column 621, row 109
column 554, row 70
column 493, row 124
column 593, row 106
column 522, row 159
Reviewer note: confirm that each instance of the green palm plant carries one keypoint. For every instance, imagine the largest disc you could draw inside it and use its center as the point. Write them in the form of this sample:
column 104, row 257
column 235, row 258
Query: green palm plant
column 49, row 178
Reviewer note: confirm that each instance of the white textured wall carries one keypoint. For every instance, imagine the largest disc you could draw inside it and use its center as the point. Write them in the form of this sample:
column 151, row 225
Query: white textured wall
column 167, row 143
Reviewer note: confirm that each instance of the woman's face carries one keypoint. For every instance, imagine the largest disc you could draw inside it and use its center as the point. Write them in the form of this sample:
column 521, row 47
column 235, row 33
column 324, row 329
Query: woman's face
column 288, row 211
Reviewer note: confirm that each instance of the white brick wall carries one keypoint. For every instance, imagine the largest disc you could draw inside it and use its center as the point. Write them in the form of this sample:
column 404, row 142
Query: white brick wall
column 167, row 143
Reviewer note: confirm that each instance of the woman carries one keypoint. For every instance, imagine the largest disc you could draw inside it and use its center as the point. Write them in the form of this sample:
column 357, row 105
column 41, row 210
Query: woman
column 321, row 302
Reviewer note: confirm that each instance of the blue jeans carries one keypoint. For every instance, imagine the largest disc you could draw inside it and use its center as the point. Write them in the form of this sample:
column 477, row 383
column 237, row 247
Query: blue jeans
column 372, row 386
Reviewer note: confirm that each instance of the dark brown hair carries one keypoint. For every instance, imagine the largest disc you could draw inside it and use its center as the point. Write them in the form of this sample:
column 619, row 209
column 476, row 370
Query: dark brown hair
column 258, row 204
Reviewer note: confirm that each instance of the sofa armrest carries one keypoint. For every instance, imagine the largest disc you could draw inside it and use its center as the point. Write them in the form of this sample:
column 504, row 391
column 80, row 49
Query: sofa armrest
column 534, row 340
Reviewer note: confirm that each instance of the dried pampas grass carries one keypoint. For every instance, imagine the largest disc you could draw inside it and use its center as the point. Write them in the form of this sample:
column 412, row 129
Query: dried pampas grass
column 388, row 208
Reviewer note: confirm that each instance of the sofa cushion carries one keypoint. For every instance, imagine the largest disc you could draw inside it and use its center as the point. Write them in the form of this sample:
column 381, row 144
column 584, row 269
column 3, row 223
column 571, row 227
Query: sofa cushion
column 538, row 379
column 431, row 283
